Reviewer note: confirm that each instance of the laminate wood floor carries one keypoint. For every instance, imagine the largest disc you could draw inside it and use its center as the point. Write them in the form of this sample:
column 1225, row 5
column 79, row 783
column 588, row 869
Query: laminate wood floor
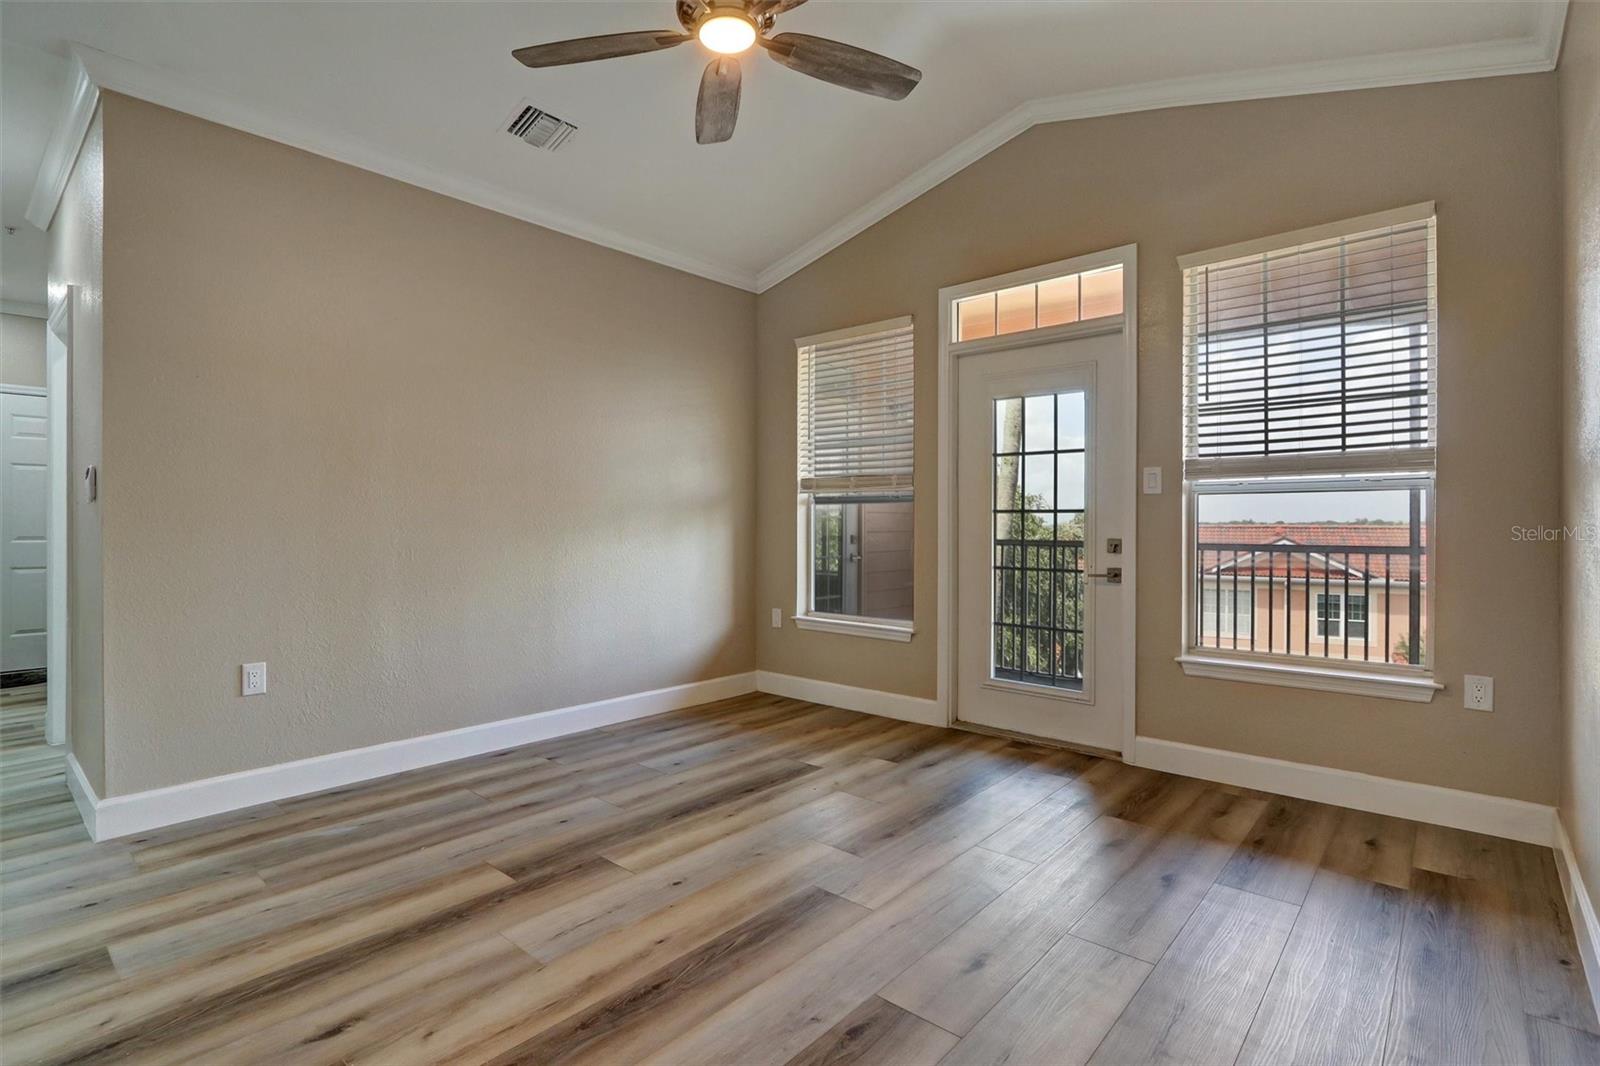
column 768, row 881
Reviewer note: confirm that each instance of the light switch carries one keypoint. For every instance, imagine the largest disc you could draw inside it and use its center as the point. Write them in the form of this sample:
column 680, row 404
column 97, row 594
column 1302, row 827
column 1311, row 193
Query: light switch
column 1152, row 481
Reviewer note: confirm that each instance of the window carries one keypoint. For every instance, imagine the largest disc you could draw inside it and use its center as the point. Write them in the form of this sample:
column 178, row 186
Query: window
column 855, row 480
column 1309, row 414
column 1225, row 612
column 1056, row 302
column 1040, row 492
column 1333, row 609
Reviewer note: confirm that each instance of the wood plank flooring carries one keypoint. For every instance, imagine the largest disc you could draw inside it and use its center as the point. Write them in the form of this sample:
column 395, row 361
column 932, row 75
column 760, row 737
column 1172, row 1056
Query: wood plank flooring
column 765, row 881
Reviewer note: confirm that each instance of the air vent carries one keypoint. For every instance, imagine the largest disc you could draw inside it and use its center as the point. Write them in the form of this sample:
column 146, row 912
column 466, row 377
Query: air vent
column 540, row 129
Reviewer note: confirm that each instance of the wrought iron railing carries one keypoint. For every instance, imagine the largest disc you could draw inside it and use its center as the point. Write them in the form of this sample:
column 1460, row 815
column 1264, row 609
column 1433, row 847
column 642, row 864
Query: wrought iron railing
column 1039, row 612
column 1329, row 601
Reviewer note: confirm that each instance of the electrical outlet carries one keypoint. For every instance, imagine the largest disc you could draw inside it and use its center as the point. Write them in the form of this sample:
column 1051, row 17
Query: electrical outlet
column 777, row 618
column 252, row 679
column 1477, row 693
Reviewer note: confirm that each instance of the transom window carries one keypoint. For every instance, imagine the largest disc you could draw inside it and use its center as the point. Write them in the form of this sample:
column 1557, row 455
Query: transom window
column 1056, row 302
column 1310, row 404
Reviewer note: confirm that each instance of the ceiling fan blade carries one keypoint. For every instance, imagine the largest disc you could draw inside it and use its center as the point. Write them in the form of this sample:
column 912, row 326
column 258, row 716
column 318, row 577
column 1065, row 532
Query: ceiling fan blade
column 757, row 8
column 606, row 46
column 843, row 64
column 718, row 107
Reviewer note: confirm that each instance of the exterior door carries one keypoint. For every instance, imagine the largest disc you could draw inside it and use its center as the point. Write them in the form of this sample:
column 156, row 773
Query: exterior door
column 24, row 496
column 1039, row 529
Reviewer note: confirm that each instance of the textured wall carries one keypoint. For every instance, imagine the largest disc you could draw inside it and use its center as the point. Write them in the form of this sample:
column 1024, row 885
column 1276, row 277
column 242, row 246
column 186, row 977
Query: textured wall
column 435, row 466
column 22, row 350
column 1579, row 77
column 1181, row 180
column 77, row 237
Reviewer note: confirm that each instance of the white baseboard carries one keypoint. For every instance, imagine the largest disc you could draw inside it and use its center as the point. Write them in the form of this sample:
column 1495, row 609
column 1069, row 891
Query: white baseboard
column 1580, row 905
column 138, row 812
column 1474, row 811
column 83, row 794
column 866, row 700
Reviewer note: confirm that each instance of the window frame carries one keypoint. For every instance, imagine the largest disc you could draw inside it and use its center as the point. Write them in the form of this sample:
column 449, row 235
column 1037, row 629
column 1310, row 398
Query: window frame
column 805, row 616
column 1408, row 467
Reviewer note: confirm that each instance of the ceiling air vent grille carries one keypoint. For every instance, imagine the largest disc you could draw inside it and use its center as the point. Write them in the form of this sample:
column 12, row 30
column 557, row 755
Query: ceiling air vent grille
column 540, row 129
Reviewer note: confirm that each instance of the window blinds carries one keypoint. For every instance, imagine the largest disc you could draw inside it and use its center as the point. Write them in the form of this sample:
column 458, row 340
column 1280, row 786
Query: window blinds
column 1326, row 346
column 855, row 411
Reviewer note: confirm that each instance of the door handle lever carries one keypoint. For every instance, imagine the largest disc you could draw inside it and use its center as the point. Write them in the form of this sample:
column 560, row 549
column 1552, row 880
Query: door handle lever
column 1112, row 574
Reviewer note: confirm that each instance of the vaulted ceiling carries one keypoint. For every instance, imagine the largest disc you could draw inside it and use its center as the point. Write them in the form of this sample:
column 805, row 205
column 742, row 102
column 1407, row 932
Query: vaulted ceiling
column 422, row 91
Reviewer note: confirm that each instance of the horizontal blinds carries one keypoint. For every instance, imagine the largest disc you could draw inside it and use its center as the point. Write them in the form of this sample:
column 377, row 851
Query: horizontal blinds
column 1322, row 348
column 855, row 412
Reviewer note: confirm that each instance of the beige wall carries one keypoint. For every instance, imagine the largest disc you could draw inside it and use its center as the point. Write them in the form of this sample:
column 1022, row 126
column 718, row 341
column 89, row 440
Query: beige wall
column 435, row 466
column 77, row 238
column 1580, row 585
column 22, row 350
column 1181, row 180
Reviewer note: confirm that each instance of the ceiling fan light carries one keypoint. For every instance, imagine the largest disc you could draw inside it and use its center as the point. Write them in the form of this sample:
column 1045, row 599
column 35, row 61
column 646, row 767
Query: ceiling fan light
column 727, row 34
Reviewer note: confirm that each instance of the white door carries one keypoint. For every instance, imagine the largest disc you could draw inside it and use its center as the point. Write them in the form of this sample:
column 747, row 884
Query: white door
column 1040, row 638
column 24, row 498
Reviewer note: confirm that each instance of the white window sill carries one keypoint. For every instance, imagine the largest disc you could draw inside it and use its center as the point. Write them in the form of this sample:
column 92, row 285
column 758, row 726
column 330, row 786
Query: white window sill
column 1385, row 686
column 856, row 627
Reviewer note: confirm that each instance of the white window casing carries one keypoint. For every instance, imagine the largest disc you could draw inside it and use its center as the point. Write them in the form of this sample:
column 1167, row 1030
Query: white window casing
column 1312, row 356
column 855, row 443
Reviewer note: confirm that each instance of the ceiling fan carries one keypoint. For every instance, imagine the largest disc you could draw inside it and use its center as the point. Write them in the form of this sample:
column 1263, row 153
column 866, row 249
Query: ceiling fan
column 729, row 27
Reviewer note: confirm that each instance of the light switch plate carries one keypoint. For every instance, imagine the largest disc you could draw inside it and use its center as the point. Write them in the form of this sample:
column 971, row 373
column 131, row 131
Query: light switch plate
column 777, row 618
column 252, row 679
column 1152, row 481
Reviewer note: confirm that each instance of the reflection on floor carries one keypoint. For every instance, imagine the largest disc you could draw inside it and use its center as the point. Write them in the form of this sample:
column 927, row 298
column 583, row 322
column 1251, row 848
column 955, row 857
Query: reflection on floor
column 768, row 881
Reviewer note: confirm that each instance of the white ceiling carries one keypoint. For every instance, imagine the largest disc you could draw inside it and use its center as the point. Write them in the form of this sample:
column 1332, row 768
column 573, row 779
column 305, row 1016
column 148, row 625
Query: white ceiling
column 421, row 90
column 31, row 87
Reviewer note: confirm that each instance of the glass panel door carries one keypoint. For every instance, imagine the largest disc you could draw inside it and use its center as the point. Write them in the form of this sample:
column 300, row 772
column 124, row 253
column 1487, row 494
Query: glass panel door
column 1039, row 507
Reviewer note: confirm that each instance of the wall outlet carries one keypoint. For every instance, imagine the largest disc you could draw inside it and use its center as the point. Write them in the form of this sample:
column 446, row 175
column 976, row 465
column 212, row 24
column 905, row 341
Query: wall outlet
column 1152, row 481
column 777, row 618
column 1477, row 693
column 252, row 679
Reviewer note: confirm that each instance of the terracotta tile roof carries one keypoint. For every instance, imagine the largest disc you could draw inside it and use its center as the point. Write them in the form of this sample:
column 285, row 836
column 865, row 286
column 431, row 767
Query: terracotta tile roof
column 1334, row 548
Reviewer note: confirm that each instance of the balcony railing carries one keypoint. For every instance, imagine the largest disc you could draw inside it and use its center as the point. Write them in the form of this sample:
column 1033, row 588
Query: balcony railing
column 1329, row 601
column 1039, row 612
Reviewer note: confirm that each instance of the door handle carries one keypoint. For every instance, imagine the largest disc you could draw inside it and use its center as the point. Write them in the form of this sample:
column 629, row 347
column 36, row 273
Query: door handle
column 1112, row 574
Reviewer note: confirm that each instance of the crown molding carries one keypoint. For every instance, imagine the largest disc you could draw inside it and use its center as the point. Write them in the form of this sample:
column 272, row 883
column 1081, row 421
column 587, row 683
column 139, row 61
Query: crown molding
column 168, row 90
column 61, row 151
column 23, row 308
column 94, row 70
column 1528, row 55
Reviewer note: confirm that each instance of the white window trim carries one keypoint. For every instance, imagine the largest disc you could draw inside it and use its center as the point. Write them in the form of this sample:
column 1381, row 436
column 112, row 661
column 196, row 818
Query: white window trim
column 842, row 624
column 1392, row 681
column 1411, row 688
column 854, row 626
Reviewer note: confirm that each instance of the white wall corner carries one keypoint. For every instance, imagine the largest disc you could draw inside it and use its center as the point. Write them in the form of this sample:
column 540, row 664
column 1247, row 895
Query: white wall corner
column 138, row 812
column 1498, row 816
column 61, row 151
column 866, row 700
column 1581, row 909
